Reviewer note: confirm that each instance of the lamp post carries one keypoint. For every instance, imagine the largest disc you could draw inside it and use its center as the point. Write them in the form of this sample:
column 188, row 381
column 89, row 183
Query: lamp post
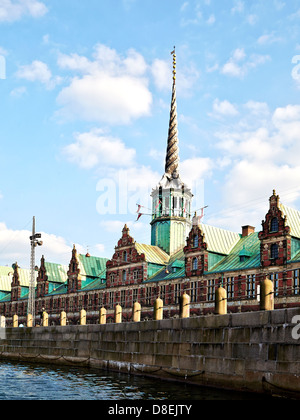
column 34, row 241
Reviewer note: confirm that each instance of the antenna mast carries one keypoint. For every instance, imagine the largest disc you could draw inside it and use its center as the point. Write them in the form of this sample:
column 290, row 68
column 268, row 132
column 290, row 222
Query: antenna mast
column 34, row 241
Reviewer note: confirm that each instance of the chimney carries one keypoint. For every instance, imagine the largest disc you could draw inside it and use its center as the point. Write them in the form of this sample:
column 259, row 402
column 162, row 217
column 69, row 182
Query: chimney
column 247, row 230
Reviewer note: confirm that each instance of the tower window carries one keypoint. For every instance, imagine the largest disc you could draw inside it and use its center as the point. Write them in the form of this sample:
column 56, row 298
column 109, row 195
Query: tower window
column 125, row 256
column 274, row 252
column 274, row 225
column 195, row 264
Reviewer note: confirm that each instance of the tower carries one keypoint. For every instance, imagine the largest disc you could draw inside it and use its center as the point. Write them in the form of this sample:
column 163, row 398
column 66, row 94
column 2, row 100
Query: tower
column 171, row 198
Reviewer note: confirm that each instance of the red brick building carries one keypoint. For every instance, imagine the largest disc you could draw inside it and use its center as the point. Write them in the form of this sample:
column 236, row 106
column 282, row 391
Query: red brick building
column 184, row 255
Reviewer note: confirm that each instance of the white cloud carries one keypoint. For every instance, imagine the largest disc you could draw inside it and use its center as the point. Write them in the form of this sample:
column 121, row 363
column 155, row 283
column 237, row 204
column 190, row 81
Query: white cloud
column 262, row 158
column 38, row 71
column 95, row 149
column 239, row 63
column 211, row 20
column 109, row 89
column 238, row 7
column 186, row 77
column 162, row 73
column 268, row 39
column 15, row 247
column 13, row 10
column 18, row 92
column 224, row 108
column 195, row 170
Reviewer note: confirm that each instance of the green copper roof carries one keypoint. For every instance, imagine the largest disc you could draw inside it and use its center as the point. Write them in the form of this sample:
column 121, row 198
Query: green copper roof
column 293, row 219
column 92, row 266
column 56, row 273
column 6, row 274
column 218, row 240
column 248, row 246
column 153, row 254
column 172, row 270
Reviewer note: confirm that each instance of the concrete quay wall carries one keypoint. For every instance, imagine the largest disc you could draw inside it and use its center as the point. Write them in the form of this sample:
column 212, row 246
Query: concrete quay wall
column 253, row 352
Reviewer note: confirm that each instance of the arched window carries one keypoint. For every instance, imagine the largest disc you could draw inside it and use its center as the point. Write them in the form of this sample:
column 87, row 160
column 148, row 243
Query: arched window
column 195, row 264
column 195, row 241
column 274, row 252
column 274, row 225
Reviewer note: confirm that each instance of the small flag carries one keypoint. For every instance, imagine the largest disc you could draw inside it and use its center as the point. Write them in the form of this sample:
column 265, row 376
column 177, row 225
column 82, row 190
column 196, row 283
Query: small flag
column 158, row 204
column 197, row 219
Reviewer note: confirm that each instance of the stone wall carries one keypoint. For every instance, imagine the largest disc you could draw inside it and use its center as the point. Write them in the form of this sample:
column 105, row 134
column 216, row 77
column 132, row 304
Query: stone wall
column 249, row 351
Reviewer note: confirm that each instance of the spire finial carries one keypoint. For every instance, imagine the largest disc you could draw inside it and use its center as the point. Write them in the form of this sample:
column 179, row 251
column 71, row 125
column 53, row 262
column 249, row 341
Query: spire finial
column 174, row 64
column 172, row 159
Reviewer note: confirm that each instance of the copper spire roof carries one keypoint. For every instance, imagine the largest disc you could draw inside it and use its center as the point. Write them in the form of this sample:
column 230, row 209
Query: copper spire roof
column 172, row 158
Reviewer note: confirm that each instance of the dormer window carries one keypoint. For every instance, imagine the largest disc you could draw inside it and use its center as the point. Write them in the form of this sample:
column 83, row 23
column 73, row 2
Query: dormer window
column 274, row 225
column 195, row 241
column 274, row 252
column 244, row 255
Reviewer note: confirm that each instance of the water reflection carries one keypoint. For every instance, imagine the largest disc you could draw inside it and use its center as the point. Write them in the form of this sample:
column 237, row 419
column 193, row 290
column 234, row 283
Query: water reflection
column 20, row 381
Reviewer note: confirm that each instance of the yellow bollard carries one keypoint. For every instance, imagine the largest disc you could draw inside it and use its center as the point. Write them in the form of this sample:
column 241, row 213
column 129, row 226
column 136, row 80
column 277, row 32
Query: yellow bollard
column 63, row 319
column 221, row 301
column 158, row 309
column 29, row 321
column 136, row 312
column 45, row 319
column 102, row 317
column 266, row 295
column 82, row 317
column 118, row 314
column 15, row 321
column 185, row 301
column 2, row 322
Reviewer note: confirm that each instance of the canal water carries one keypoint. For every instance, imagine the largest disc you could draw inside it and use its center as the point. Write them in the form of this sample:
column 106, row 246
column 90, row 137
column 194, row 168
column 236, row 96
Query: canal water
column 22, row 381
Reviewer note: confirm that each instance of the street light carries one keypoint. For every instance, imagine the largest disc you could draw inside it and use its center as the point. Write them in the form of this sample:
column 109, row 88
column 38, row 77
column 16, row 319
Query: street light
column 34, row 241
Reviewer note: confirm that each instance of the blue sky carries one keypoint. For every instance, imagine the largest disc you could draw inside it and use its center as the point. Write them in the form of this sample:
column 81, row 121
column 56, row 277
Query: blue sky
column 85, row 100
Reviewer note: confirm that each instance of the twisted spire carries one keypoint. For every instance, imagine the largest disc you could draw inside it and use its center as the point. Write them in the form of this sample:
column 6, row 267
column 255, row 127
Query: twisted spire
column 172, row 158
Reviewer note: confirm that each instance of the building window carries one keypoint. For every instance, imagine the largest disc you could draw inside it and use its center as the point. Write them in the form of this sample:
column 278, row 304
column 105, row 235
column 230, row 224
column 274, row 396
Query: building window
column 111, row 299
column 123, row 298
column 135, row 295
column 195, row 241
column 124, row 276
column 211, row 290
column 195, row 264
column 251, row 286
column 125, row 256
column 296, row 289
column 230, row 287
column 163, row 292
column 274, row 252
column 112, row 278
column 274, row 225
column 148, row 295
column 275, row 280
column 177, row 293
column 193, row 291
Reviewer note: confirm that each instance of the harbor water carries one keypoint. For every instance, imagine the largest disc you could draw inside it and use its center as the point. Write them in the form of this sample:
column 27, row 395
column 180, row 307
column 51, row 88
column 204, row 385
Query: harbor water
column 23, row 381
